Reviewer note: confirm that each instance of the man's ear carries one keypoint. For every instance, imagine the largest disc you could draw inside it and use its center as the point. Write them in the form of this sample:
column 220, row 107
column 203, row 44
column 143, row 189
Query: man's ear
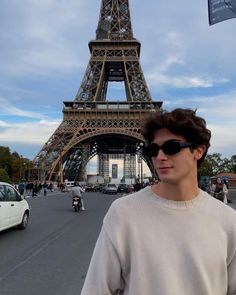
column 199, row 152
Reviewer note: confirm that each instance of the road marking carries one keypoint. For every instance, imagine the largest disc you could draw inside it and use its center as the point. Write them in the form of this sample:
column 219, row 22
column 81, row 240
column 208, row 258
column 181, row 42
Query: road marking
column 35, row 253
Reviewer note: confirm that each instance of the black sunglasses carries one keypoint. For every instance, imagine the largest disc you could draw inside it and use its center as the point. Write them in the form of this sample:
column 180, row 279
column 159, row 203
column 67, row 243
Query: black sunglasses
column 170, row 147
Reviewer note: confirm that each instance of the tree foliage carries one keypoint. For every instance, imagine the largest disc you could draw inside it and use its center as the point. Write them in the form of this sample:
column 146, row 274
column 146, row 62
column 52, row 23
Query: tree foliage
column 215, row 164
column 13, row 167
column 4, row 176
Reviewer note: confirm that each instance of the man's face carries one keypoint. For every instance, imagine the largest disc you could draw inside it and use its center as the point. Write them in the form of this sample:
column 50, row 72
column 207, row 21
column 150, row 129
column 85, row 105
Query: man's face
column 177, row 167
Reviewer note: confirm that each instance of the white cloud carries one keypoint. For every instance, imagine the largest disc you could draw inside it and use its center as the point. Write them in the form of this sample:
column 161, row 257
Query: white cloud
column 222, row 140
column 164, row 80
column 30, row 132
column 46, row 38
column 9, row 109
column 3, row 124
column 219, row 108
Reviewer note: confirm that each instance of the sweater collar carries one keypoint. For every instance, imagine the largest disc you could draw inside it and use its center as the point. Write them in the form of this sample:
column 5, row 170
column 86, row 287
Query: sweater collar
column 193, row 203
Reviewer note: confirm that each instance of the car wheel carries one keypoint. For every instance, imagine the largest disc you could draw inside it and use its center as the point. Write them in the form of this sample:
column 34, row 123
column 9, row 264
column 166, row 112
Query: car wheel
column 24, row 221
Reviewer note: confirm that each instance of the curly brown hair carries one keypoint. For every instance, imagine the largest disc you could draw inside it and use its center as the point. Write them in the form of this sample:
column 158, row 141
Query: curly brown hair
column 182, row 122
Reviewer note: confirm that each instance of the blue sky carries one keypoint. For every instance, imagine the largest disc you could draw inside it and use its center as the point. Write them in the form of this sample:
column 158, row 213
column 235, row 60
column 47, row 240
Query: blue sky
column 44, row 54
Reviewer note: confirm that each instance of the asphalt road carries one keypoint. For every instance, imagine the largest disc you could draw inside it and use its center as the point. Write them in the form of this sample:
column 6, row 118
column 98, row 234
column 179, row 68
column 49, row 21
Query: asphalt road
column 232, row 198
column 51, row 256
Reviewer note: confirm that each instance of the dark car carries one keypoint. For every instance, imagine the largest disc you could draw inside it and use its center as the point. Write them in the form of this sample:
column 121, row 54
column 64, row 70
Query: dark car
column 122, row 188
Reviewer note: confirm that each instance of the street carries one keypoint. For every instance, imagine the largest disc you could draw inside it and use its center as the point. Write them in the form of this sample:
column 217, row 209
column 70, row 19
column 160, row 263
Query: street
column 52, row 255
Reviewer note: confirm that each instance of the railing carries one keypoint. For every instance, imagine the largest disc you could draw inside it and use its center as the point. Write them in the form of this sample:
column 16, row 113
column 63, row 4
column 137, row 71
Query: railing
column 112, row 105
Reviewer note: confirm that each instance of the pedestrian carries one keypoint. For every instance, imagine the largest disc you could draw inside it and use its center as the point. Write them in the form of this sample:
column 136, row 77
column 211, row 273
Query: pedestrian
column 21, row 187
column 50, row 187
column 205, row 186
column 226, row 182
column 219, row 190
column 40, row 187
column 34, row 189
column 45, row 188
column 172, row 237
column 77, row 191
column 137, row 186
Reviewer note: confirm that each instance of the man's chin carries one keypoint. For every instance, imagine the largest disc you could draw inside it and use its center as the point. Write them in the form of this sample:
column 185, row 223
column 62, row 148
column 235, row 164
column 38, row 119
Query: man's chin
column 167, row 179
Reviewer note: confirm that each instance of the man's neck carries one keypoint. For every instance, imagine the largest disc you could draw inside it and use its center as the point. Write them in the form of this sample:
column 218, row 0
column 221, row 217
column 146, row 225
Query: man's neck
column 176, row 192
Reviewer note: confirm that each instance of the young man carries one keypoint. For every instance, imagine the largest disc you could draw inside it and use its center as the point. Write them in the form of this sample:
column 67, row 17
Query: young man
column 171, row 238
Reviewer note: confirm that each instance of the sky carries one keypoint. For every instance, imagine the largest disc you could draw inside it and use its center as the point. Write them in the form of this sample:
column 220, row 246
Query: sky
column 44, row 54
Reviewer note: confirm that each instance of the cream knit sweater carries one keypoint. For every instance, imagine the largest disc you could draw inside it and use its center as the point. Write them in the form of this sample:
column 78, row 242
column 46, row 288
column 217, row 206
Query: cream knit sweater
column 152, row 246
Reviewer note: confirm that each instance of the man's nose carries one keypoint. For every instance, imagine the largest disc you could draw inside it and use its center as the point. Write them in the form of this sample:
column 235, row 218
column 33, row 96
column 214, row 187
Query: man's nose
column 161, row 155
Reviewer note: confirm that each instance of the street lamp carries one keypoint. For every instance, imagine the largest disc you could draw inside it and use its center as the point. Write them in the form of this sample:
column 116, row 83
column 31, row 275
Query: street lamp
column 24, row 164
column 61, row 168
column 60, row 164
column 141, row 159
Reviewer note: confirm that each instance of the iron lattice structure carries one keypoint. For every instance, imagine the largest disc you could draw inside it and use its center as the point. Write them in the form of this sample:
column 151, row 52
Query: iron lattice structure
column 92, row 124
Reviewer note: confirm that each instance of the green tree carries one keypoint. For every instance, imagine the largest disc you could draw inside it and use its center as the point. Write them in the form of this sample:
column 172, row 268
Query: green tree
column 4, row 176
column 16, row 166
column 218, row 164
column 6, row 160
column 205, row 169
column 232, row 164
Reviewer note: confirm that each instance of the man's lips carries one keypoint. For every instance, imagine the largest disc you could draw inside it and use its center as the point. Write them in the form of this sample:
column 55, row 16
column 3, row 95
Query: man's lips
column 163, row 168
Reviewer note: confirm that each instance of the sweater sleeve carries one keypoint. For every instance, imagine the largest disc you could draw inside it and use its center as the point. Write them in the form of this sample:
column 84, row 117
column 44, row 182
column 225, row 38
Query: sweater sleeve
column 104, row 275
column 232, row 275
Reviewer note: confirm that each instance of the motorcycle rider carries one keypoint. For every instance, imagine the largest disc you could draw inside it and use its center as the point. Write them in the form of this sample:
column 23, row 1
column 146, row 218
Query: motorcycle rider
column 77, row 191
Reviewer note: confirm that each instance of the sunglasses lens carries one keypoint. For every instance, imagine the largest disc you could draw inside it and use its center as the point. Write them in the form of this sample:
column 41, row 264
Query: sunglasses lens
column 171, row 148
column 151, row 150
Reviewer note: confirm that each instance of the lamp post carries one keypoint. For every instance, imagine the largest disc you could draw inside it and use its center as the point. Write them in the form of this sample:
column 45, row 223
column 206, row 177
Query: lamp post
column 141, row 161
column 60, row 164
column 24, row 171
column 61, row 168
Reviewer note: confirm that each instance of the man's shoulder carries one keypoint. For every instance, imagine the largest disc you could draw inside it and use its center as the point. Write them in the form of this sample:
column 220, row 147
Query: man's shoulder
column 131, row 200
column 218, row 207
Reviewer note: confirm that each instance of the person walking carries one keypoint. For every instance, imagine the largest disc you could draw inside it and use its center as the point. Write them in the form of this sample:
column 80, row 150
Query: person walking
column 172, row 237
column 21, row 187
column 45, row 188
column 219, row 190
column 34, row 189
column 137, row 186
column 205, row 186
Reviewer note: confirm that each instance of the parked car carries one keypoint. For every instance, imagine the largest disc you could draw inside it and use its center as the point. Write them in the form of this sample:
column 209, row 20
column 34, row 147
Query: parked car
column 14, row 209
column 89, row 188
column 122, row 188
column 110, row 188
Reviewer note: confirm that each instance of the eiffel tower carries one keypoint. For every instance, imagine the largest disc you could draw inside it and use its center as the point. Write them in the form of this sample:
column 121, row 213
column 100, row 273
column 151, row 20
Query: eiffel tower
column 92, row 124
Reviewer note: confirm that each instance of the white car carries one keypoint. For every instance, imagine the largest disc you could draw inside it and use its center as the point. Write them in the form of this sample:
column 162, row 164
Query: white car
column 14, row 209
column 110, row 188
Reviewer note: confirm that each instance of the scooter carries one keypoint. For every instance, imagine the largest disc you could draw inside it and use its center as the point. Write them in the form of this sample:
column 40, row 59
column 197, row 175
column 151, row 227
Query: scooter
column 76, row 203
